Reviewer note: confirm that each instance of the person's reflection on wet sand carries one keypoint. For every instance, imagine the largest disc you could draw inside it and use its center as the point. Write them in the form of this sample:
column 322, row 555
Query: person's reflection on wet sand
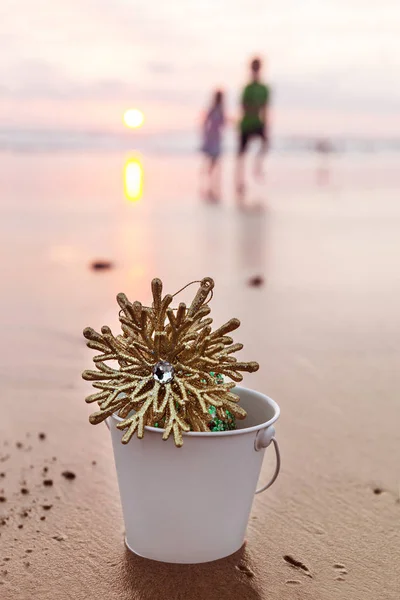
column 253, row 206
column 252, row 245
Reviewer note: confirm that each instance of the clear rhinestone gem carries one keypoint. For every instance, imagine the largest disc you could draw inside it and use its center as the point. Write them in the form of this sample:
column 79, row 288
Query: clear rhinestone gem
column 163, row 372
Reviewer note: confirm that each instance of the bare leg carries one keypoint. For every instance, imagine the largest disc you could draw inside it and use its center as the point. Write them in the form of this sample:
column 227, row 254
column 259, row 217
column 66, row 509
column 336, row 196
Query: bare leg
column 207, row 176
column 212, row 165
column 210, row 176
column 258, row 165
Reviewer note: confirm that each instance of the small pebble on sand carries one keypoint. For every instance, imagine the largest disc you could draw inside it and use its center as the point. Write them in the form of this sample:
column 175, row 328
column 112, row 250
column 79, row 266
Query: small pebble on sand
column 68, row 474
column 59, row 538
column 256, row 281
column 101, row 265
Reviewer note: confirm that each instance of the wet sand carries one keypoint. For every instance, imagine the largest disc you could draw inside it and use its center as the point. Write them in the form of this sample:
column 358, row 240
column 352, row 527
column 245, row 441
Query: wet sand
column 324, row 325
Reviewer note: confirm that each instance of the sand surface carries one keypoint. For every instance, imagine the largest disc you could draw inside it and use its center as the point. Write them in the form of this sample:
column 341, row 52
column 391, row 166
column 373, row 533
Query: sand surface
column 324, row 325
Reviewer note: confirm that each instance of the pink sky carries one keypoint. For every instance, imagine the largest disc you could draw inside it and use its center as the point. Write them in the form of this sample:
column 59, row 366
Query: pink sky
column 333, row 64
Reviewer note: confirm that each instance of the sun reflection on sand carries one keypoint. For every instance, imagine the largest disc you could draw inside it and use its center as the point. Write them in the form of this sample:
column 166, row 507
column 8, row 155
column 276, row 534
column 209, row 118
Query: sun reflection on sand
column 133, row 179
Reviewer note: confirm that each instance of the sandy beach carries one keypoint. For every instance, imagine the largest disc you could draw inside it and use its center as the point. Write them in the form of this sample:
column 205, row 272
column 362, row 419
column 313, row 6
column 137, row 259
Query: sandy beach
column 324, row 325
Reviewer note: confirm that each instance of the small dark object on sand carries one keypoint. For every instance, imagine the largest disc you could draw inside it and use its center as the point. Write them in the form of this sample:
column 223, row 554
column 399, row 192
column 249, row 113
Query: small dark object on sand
column 245, row 569
column 68, row 475
column 42, row 436
column 24, row 491
column 297, row 564
column 2, row 499
column 48, row 482
column 101, row 265
column 47, row 506
column 19, row 444
column 256, row 281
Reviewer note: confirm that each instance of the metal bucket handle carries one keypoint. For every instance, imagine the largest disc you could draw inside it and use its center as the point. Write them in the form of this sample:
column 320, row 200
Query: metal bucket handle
column 263, row 439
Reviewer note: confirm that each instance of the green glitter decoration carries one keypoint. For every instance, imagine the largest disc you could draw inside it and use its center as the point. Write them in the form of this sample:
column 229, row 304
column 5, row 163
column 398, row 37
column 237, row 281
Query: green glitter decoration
column 223, row 420
column 228, row 422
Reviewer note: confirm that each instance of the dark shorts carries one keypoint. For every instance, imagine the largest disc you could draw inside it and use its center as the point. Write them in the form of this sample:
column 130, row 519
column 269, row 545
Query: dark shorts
column 246, row 136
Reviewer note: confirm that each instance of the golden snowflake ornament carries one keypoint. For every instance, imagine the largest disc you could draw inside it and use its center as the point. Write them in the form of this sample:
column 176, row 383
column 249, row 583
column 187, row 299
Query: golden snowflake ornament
column 158, row 372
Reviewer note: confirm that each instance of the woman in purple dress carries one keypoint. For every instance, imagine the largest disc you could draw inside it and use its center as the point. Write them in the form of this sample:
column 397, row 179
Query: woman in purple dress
column 212, row 134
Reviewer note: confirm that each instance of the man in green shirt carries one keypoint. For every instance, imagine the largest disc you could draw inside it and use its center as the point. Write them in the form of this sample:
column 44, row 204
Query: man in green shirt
column 254, row 122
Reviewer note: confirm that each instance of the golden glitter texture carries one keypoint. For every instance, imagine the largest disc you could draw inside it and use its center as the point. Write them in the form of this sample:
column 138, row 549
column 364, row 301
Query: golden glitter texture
column 161, row 365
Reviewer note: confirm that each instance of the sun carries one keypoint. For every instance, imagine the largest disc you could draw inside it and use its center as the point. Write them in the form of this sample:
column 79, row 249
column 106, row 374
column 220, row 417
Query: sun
column 133, row 118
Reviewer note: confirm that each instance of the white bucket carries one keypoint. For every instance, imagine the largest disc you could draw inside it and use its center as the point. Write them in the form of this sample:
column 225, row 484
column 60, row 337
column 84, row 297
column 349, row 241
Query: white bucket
column 192, row 504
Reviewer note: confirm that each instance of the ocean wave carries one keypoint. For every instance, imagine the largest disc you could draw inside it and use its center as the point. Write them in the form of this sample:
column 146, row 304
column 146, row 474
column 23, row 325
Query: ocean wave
column 42, row 141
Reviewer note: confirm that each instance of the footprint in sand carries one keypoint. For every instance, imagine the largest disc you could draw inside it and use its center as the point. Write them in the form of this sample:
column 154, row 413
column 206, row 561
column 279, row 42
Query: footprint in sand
column 341, row 570
column 297, row 564
column 245, row 570
column 378, row 491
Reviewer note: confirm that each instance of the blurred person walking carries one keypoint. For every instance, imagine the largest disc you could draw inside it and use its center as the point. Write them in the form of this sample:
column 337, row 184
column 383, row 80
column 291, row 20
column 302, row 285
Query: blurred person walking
column 212, row 141
column 255, row 102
